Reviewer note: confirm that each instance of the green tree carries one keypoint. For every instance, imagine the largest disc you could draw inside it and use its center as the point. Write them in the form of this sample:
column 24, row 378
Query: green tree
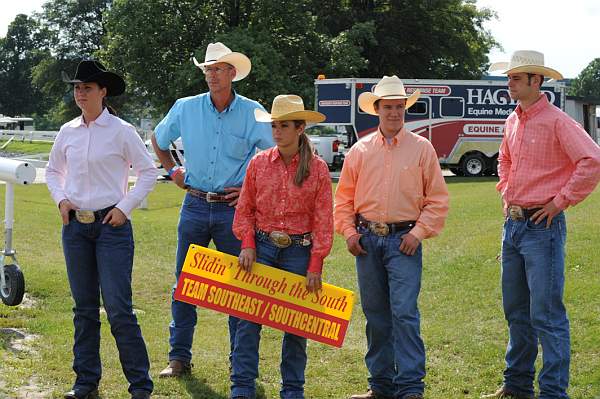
column 587, row 84
column 76, row 30
column 290, row 43
column 152, row 42
column 441, row 39
column 22, row 48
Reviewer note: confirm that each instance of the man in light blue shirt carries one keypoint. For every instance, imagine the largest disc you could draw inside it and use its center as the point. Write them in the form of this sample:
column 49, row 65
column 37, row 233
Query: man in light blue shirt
column 220, row 135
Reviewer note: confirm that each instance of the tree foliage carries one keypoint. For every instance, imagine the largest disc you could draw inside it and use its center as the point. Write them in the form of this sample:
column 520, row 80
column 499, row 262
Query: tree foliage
column 23, row 47
column 587, row 84
column 75, row 31
column 151, row 42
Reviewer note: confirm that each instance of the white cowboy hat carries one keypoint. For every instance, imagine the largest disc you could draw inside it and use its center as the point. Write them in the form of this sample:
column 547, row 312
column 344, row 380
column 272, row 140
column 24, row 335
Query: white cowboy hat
column 526, row 61
column 288, row 107
column 218, row 52
column 388, row 88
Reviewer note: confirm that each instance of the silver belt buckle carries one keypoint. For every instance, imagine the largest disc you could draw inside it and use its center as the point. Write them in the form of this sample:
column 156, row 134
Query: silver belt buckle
column 380, row 229
column 84, row 216
column 515, row 212
column 209, row 196
column 280, row 239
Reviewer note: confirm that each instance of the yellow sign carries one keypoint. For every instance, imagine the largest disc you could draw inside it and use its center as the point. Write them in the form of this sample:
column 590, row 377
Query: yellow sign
column 265, row 295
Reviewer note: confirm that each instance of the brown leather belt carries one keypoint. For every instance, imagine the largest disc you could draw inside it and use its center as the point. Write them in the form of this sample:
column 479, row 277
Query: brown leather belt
column 87, row 217
column 284, row 240
column 516, row 212
column 208, row 196
column 383, row 229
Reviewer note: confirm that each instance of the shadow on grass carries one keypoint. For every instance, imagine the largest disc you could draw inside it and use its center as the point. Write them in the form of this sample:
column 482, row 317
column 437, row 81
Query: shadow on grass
column 199, row 389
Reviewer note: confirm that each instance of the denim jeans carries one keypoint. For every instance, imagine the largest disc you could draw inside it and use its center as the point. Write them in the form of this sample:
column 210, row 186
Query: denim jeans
column 533, row 263
column 389, row 283
column 293, row 259
column 199, row 223
column 99, row 261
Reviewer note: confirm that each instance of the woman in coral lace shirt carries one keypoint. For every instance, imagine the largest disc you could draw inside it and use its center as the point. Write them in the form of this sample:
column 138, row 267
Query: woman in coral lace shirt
column 284, row 218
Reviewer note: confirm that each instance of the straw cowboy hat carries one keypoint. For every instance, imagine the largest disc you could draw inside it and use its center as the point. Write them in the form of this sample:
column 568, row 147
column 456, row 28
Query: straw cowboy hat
column 218, row 52
column 527, row 61
column 93, row 71
column 288, row 107
column 388, row 88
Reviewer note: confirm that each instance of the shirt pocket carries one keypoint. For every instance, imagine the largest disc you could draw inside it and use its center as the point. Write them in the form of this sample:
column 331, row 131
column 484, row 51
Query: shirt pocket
column 410, row 180
column 236, row 147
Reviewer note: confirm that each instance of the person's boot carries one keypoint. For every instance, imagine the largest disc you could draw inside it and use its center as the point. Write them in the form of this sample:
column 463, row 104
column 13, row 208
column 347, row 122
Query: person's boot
column 76, row 394
column 140, row 395
column 176, row 368
column 505, row 393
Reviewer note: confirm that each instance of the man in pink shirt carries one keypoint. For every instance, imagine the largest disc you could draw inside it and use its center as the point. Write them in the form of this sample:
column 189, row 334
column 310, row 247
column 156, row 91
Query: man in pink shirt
column 391, row 196
column 547, row 163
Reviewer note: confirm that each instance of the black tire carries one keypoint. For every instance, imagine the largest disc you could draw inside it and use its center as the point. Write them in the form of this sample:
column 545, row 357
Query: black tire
column 494, row 167
column 12, row 294
column 473, row 165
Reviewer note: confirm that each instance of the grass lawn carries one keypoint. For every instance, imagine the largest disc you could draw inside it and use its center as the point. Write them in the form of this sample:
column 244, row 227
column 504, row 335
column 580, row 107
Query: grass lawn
column 27, row 147
column 462, row 321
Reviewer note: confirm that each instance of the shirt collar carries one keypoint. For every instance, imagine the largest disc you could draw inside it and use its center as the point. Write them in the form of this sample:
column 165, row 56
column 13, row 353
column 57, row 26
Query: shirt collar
column 534, row 109
column 380, row 138
column 101, row 120
column 230, row 107
column 275, row 155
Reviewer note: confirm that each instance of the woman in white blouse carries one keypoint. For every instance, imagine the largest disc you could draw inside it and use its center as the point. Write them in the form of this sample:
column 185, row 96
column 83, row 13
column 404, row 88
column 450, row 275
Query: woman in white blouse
column 87, row 176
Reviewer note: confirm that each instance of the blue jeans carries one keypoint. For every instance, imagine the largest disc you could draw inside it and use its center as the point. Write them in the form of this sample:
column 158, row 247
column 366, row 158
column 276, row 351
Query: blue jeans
column 293, row 259
column 533, row 263
column 199, row 223
column 99, row 261
column 389, row 283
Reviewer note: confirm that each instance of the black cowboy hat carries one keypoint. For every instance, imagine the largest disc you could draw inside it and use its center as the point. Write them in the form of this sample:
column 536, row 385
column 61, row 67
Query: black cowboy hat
column 94, row 71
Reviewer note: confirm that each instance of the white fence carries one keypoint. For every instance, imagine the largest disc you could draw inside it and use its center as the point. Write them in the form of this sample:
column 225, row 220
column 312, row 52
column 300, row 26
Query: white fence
column 29, row 135
column 46, row 135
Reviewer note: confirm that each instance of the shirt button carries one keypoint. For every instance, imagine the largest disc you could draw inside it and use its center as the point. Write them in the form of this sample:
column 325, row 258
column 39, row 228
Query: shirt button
column 214, row 148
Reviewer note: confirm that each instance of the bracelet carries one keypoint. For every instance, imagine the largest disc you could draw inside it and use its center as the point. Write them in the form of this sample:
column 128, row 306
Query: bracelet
column 174, row 170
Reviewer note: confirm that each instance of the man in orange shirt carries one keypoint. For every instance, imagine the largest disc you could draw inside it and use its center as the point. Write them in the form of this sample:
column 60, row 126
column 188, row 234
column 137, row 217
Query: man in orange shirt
column 391, row 195
column 547, row 163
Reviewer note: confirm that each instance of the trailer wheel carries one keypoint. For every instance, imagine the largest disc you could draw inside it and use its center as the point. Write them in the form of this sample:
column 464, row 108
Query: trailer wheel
column 495, row 166
column 473, row 165
column 12, row 293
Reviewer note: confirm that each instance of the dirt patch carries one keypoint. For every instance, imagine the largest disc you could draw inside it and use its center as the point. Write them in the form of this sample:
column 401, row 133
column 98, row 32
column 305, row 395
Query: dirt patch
column 28, row 302
column 20, row 342
column 33, row 390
